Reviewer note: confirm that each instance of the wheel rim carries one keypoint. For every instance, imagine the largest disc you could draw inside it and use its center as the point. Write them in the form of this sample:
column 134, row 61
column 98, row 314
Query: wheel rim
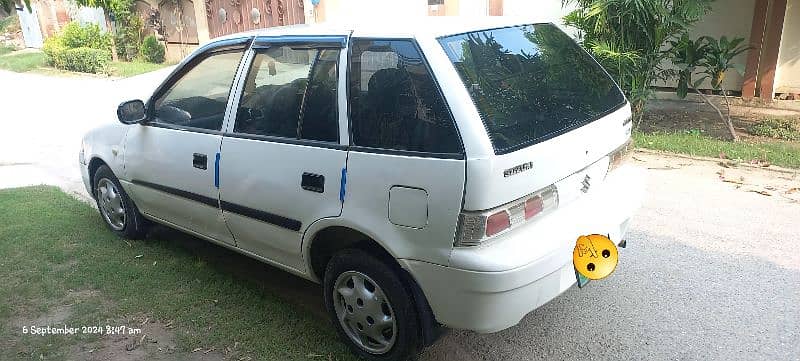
column 109, row 200
column 364, row 312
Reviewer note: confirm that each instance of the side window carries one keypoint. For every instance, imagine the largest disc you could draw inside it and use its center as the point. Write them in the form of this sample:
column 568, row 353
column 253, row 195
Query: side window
column 199, row 97
column 291, row 93
column 394, row 101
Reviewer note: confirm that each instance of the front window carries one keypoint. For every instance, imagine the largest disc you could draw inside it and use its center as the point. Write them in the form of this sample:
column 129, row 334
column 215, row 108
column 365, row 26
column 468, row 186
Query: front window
column 530, row 83
column 199, row 97
column 291, row 93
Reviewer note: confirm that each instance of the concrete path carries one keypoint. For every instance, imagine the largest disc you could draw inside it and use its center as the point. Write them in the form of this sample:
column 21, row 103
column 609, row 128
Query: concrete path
column 43, row 118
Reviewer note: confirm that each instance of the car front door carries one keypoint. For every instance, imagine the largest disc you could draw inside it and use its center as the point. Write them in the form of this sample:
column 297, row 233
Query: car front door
column 170, row 160
column 282, row 160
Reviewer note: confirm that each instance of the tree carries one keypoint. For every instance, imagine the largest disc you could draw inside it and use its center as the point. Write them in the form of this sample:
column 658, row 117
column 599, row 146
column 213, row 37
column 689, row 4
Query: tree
column 9, row 5
column 710, row 59
column 128, row 25
column 628, row 38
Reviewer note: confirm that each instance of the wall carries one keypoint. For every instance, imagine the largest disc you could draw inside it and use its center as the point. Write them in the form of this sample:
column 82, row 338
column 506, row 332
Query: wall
column 733, row 18
column 353, row 11
column 549, row 9
column 176, row 52
column 52, row 15
column 787, row 79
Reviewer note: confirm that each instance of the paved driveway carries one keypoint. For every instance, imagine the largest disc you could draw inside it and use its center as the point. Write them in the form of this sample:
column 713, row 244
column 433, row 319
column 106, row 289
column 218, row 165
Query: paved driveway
column 711, row 271
column 43, row 118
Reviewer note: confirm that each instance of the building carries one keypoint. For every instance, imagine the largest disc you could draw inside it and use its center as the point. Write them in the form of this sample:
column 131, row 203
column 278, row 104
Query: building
column 771, row 27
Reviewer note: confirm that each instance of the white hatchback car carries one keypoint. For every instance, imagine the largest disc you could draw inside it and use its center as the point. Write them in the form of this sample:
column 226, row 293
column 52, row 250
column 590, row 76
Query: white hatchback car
column 429, row 176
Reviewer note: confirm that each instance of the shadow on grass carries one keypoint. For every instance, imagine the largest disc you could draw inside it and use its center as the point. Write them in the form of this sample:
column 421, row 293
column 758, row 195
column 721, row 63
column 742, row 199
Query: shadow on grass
column 292, row 289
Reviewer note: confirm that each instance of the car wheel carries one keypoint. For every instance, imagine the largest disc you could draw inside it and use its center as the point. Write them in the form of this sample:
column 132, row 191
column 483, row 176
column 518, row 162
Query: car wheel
column 116, row 208
column 370, row 308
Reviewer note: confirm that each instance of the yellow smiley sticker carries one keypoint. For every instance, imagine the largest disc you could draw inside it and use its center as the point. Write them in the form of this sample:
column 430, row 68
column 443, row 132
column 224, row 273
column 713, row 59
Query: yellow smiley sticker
column 595, row 256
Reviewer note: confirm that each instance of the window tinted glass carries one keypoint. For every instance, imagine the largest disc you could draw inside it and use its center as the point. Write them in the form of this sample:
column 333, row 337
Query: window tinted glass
column 199, row 97
column 530, row 82
column 280, row 100
column 394, row 101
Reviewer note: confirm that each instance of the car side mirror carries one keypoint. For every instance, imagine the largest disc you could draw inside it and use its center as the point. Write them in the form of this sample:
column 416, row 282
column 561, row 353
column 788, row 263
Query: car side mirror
column 131, row 112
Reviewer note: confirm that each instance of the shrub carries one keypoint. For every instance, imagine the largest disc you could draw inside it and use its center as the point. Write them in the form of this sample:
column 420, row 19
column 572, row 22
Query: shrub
column 53, row 49
column 76, row 35
column 152, row 50
column 9, row 24
column 86, row 60
column 128, row 38
column 79, row 48
column 785, row 128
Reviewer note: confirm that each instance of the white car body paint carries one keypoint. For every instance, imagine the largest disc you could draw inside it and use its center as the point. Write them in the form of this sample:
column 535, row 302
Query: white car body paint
column 485, row 288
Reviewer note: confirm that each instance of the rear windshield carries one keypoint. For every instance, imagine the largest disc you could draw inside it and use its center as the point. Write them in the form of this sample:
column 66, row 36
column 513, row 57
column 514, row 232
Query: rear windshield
column 530, row 83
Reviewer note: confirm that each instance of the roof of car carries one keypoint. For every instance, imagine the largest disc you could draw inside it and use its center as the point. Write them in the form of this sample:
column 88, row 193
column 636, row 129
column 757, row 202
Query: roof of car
column 433, row 26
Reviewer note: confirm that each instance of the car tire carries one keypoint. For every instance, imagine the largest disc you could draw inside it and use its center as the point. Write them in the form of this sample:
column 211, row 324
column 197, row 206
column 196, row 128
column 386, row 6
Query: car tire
column 117, row 210
column 382, row 307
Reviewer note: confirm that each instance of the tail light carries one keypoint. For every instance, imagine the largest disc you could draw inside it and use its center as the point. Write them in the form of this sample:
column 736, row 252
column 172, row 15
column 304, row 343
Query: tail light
column 620, row 155
column 475, row 228
column 497, row 223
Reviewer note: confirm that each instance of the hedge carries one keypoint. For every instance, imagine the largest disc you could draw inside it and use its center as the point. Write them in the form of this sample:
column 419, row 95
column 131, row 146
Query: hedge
column 85, row 60
column 79, row 48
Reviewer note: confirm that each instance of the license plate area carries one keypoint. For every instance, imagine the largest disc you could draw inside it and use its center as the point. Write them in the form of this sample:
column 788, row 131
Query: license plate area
column 582, row 280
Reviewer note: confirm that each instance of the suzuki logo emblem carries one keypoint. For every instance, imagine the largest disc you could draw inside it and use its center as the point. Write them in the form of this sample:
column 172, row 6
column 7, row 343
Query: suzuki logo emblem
column 586, row 184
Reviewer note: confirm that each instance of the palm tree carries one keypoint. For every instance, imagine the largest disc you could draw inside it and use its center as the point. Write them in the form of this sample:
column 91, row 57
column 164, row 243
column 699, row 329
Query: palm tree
column 628, row 38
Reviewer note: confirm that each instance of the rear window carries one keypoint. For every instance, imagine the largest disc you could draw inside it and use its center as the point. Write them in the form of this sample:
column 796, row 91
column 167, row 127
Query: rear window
column 531, row 83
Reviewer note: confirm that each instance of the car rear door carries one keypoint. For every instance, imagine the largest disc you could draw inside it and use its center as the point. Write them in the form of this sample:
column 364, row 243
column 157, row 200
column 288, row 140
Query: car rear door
column 170, row 159
column 406, row 167
column 282, row 161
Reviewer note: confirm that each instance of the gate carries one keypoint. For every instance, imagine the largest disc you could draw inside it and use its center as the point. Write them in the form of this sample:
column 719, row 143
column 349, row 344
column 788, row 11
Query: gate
column 31, row 32
column 232, row 16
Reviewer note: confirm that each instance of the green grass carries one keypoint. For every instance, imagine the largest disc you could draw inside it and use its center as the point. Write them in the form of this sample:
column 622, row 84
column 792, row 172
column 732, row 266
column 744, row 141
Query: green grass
column 21, row 63
column 52, row 245
column 25, row 62
column 780, row 153
column 5, row 49
column 125, row 69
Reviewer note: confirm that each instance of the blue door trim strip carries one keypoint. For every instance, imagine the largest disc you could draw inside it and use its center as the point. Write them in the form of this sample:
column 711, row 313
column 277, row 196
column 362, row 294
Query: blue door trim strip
column 343, row 185
column 216, row 171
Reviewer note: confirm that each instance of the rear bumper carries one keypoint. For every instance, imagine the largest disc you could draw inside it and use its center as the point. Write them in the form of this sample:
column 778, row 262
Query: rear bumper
column 492, row 287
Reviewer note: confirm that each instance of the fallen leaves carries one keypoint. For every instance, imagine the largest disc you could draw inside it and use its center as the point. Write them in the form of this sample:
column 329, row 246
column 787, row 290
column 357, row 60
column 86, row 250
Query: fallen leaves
column 761, row 192
column 760, row 163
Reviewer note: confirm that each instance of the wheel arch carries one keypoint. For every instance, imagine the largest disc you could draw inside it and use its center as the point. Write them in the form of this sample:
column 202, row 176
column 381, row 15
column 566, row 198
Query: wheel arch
column 94, row 164
column 325, row 240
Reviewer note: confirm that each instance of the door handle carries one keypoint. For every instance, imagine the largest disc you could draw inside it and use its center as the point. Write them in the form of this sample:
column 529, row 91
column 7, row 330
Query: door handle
column 313, row 182
column 200, row 161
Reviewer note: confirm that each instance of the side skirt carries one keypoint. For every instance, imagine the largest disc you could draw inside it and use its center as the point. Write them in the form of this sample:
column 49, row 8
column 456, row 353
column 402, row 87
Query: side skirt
column 282, row 266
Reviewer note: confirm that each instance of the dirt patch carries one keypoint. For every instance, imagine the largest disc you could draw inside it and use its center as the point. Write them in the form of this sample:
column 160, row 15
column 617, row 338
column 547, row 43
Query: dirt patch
column 782, row 186
column 674, row 118
column 55, row 315
column 133, row 338
column 148, row 340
